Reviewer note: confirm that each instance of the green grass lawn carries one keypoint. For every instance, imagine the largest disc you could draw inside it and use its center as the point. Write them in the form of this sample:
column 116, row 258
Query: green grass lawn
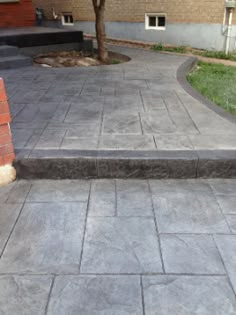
column 216, row 82
column 204, row 53
column 217, row 55
column 177, row 49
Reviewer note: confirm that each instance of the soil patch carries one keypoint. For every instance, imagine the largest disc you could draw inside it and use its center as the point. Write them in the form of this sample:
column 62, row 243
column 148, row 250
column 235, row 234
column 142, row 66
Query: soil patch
column 76, row 59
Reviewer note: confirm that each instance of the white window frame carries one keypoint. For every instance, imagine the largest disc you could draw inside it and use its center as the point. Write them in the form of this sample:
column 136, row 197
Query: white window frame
column 63, row 19
column 156, row 15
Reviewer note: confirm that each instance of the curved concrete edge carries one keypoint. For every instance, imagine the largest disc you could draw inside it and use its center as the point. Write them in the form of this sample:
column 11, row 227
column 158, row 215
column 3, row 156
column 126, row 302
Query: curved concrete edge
column 182, row 73
column 75, row 164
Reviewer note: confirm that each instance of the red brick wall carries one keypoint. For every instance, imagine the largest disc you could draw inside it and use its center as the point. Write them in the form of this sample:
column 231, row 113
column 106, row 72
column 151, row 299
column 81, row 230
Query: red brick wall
column 6, row 147
column 17, row 14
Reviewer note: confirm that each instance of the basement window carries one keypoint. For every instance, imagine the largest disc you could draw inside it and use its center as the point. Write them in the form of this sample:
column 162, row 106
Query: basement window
column 67, row 19
column 155, row 21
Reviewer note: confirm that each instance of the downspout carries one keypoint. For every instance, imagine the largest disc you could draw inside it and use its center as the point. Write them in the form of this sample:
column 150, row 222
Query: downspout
column 229, row 29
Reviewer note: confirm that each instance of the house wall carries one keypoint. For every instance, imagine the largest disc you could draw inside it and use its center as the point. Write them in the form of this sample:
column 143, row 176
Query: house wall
column 189, row 22
column 14, row 14
column 178, row 11
column 200, row 36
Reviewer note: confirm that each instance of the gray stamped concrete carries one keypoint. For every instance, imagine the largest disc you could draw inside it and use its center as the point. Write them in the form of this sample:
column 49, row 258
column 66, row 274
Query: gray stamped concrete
column 138, row 105
column 104, row 247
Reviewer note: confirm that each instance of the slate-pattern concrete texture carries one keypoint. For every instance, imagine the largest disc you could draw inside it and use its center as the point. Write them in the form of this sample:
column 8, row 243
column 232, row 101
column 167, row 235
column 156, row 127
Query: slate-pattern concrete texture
column 109, row 246
column 138, row 105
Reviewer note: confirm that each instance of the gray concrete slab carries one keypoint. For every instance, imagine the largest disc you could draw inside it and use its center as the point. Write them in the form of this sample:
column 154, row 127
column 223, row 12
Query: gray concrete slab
column 123, row 103
column 51, row 139
column 157, row 122
column 223, row 186
column 231, row 219
column 173, row 142
column 104, row 250
column 133, row 198
column 9, row 214
column 185, row 295
column 127, row 142
column 115, row 245
column 223, row 142
column 186, row 209
column 188, row 213
column 47, row 239
column 122, row 124
column 24, row 295
column 103, row 198
column 59, row 191
column 96, row 295
column 227, row 247
column 82, row 130
column 79, row 143
column 191, row 254
column 21, row 191
column 227, row 203
column 5, row 192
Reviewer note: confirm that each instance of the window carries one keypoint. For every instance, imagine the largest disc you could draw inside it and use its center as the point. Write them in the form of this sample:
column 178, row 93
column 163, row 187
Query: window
column 155, row 21
column 67, row 19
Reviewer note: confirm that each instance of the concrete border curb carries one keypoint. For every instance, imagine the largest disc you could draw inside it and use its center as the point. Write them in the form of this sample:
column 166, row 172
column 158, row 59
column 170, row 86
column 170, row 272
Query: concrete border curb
column 182, row 72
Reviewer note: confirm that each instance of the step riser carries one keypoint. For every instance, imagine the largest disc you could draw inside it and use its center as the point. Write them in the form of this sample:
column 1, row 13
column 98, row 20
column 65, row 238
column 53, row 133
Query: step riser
column 83, row 168
column 7, row 51
column 16, row 63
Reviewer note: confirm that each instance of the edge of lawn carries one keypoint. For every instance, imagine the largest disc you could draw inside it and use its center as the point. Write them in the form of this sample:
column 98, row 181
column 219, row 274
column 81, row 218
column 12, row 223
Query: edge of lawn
column 182, row 73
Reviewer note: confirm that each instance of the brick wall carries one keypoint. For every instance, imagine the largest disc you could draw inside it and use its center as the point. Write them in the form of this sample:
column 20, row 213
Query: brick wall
column 178, row 11
column 6, row 147
column 17, row 14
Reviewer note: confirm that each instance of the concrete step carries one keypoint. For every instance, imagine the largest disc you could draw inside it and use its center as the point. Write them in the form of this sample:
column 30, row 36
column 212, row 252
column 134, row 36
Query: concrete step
column 7, row 51
column 76, row 164
column 17, row 61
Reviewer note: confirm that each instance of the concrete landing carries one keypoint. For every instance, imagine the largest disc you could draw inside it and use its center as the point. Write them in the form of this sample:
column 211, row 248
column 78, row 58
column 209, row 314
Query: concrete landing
column 136, row 119
column 38, row 36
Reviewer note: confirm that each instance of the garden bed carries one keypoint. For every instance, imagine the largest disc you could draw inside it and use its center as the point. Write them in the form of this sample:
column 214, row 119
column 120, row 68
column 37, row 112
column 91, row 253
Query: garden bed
column 76, row 59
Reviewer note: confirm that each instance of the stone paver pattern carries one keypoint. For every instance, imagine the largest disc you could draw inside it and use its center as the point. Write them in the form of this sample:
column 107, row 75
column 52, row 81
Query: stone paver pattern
column 113, row 246
column 137, row 105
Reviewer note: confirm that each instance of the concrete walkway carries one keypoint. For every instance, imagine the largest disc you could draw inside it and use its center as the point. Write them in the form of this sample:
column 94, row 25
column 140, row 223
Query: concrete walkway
column 118, row 247
column 135, row 106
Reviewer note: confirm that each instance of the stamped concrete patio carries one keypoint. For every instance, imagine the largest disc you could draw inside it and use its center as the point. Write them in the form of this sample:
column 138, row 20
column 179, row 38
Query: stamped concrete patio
column 107, row 247
column 115, row 246
column 140, row 109
column 138, row 105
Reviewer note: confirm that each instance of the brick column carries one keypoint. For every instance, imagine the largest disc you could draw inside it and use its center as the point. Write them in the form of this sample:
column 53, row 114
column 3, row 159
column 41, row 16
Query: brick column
column 7, row 171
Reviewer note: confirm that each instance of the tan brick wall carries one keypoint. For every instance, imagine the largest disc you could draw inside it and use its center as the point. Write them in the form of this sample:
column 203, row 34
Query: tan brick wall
column 178, row 11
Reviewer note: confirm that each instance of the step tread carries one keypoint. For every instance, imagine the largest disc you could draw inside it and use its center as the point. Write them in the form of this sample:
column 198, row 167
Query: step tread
column 7, row 47
column 12, row 58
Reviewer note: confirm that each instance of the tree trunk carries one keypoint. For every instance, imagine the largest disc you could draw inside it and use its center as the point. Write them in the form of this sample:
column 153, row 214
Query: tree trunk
column 99, row 9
